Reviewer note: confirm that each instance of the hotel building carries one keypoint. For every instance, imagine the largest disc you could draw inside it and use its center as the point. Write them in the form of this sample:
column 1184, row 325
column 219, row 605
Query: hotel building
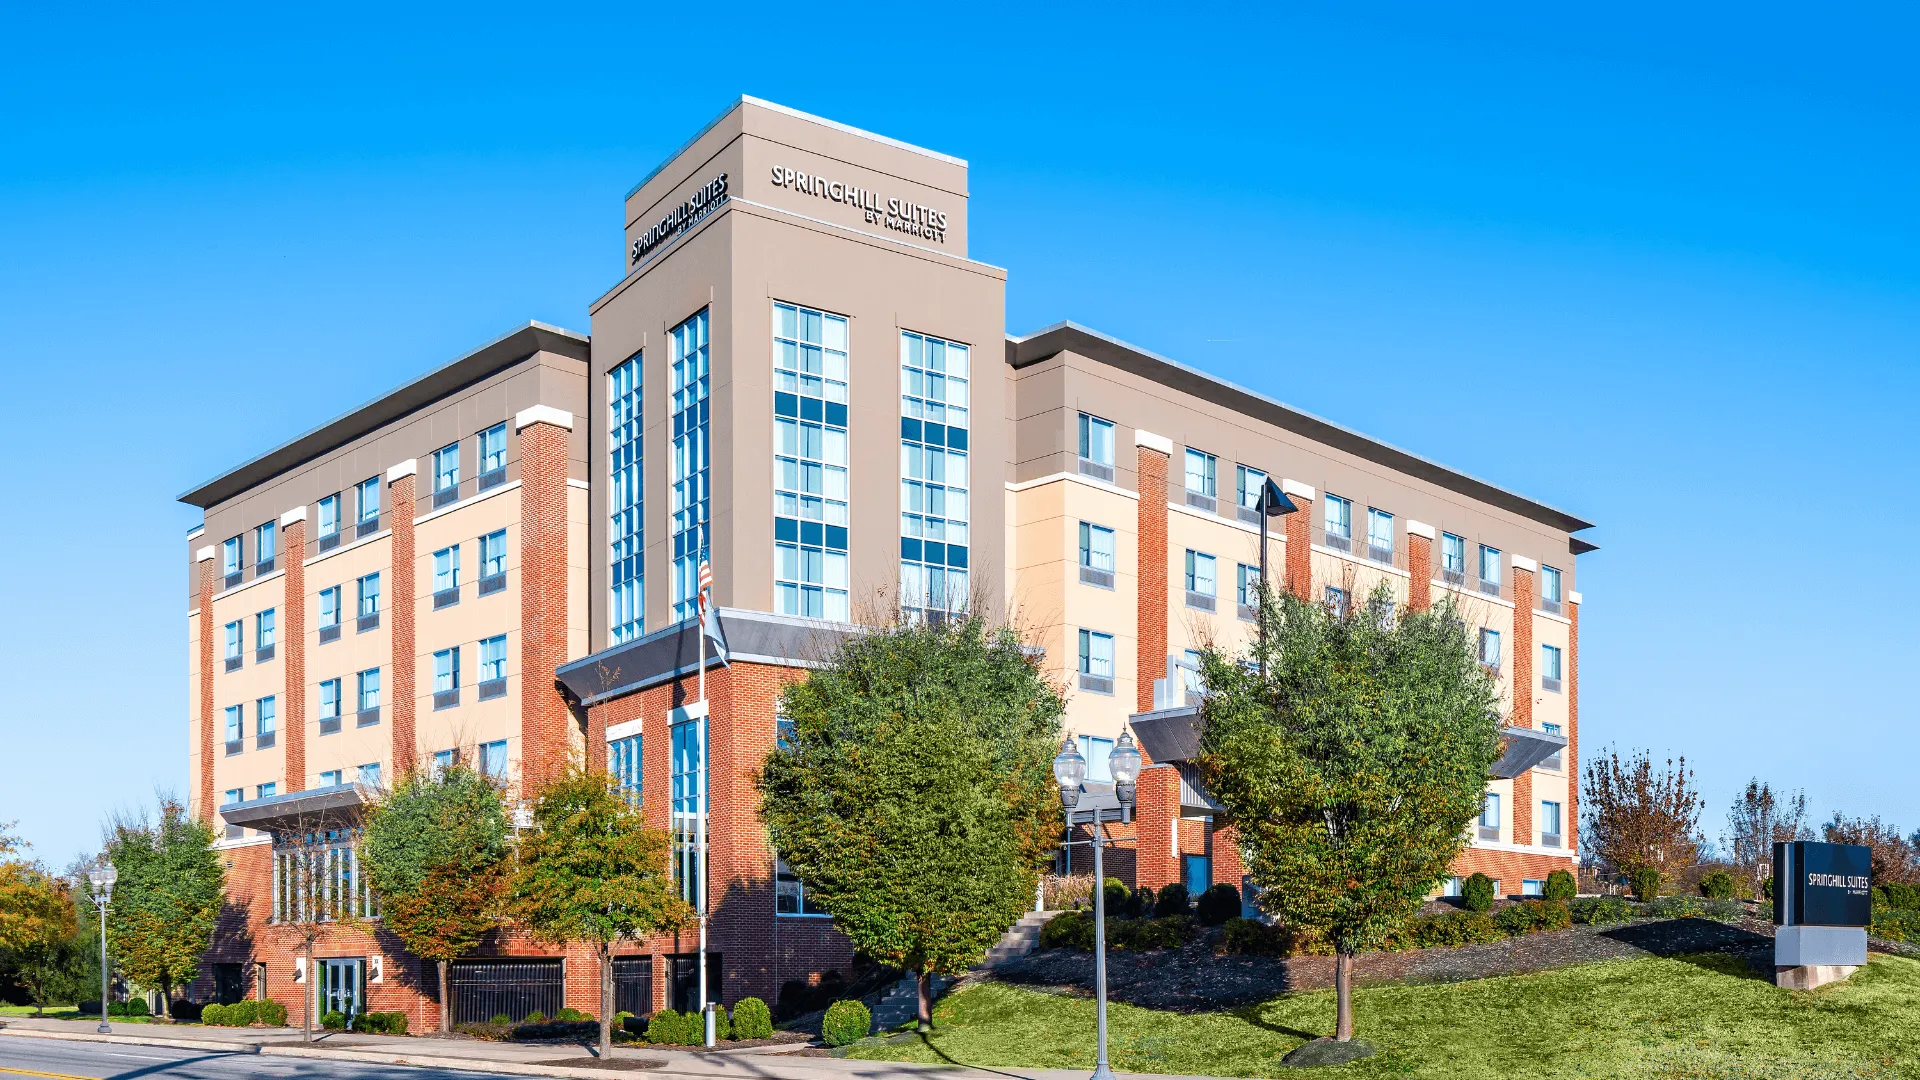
column 803, row 379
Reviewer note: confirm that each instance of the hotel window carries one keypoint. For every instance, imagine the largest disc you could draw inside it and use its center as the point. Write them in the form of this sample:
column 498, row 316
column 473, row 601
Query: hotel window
column 446, row 474
column 1096, row 447
column 264, row 548
column 1532, row 887
column 493, row 759
column 369, row 774
column 1489, row 570
column 1202, row 585
column 1099, row 755
column 236, row 727
column 1550, row 590
column 329, row 522
column 790, row 893
column 689, row 779
column 231, row 797
column 783, row 728
column 627, row 526
column 1249, row 482
column 266, row 722
column 444, row 760
column 446, row 678
column 230, row 561
column 624, row 763
column 1096, row 661
column 1553, row 763
column 1379, row 536
column 329, row 701
column 1453, row 558
column 267, row 790
column 367, row 502
column 491, row 451
column 368, row 590
column 369, row 690
column 1550, row 668
column 1490, row 816
column 493, row 667
column 1549, row 824
column 1096, row 555
column 1189, row 670
column 493, row 562
column 263, row 636
column 1203, row 482
column 933, row 473
column 1338, row 601
column 1246, row 590
column 689, row 472
column 1453, row 886
column 446, row 576
column 234, row 646
column 329, row 612
column 330, row 778
column 1337, row 523
column 1490, row 649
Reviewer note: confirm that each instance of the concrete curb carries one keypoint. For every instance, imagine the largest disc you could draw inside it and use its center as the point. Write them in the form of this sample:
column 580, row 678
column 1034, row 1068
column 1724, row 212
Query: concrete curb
column 140, row 1040
column 430, row 1061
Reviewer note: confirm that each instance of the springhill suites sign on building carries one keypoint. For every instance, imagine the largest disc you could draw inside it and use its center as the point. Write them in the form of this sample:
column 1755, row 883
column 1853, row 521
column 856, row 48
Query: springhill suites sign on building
column 900, row 215
column 681, row 218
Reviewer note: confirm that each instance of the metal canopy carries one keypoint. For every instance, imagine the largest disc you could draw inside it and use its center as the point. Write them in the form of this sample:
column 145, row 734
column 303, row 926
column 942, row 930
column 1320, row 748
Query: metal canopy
column 1168, row 735
column 339, row 801
column 1525, row 748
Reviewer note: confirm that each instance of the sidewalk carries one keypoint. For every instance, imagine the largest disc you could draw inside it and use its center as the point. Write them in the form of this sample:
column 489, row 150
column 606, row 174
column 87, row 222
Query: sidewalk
column 755, row 1063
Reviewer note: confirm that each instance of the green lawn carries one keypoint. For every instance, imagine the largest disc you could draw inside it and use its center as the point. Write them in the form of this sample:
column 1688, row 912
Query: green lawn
column 68, row 1012
column 1705, row 1017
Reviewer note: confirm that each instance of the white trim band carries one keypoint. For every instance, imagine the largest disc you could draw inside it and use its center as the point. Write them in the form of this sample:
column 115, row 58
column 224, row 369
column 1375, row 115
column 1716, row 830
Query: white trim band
column 542, row 414
column 1295, row 487
column 205, row 554
column 622, row 730
column 298, row 513
column 1573, row 597
column 1143, row 437
column 1521, row 562
column 1419, row 528
column 409, row 467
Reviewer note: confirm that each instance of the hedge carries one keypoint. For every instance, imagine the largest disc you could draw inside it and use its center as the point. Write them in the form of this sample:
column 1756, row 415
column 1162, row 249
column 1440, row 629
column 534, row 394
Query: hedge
column 752, row 1019
column 846, row 1021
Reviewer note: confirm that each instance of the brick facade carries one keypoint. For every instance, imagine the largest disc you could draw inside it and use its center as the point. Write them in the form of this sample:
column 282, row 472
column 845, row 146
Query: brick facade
column 1154, row 586
column 1521, row 686
column 1509, row 868
column 544, row 742
column 1300, row 547
column 406, row 665
column 1419, row 571
column 204, row 566
column 1572, row 825
column 293, row 708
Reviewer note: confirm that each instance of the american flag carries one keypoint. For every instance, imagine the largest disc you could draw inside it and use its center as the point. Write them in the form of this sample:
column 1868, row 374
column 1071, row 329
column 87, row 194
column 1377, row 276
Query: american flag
column 706, row 583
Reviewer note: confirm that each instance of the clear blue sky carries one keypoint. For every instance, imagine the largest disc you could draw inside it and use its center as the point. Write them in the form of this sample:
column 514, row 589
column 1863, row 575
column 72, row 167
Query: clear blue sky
column 1657, row 266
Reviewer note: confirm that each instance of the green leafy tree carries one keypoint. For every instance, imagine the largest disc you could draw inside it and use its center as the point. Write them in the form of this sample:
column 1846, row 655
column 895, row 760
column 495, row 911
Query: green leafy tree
column 915, row 794
column 1351, row 768
column 435, row 851
column 592, row 870
column 167, row 898
column 38, row 924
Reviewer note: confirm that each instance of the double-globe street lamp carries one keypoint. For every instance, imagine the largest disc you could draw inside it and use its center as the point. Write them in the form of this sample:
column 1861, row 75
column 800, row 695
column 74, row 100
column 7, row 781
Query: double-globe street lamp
column 1070, row 771
column 103, row 880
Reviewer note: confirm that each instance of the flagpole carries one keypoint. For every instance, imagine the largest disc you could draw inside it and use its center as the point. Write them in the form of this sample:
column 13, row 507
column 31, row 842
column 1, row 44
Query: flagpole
column 700, row 630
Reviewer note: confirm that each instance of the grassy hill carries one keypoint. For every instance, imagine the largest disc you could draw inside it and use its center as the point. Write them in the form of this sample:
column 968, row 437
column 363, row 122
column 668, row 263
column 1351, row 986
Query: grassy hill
column 1706, row 1016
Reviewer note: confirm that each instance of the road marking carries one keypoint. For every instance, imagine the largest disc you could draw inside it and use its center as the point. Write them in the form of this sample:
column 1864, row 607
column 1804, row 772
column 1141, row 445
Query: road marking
column 53, row 1076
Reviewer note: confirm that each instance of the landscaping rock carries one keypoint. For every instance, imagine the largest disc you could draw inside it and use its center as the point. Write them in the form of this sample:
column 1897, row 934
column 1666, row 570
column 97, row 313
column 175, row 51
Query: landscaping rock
column 1326, row 1052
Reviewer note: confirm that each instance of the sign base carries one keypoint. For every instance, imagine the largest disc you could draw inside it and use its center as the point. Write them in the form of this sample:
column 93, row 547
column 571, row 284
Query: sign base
column 1811, row 975
column 1819, row 946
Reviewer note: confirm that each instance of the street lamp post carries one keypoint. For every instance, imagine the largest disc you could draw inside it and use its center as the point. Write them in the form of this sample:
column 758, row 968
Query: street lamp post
column 1069, row 769
column 103, row 880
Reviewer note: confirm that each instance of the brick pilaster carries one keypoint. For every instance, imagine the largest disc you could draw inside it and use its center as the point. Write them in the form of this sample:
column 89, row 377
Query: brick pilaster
column 1152, row 588
column 1299, row 580
column 1521, row 685
column 1572, row 824
column 203, row 565
column 1419, row 566
column 543, row 593
column 401, row 481
column 1156, row 821
column 293, row 700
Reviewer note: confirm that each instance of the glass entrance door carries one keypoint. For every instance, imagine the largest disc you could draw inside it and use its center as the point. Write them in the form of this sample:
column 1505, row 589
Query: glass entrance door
column 342, row 987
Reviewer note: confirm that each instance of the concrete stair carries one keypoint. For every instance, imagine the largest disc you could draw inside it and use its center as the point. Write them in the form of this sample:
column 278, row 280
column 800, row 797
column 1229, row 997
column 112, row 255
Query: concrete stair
column 901, row 1003
column 1020, row 938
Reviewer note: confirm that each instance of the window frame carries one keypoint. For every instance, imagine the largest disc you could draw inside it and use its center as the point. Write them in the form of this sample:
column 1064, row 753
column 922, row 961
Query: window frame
column 1092, row 432
column 1209, row 473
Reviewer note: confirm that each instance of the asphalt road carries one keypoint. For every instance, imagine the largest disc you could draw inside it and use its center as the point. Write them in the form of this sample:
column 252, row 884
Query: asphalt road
column 107, row 1061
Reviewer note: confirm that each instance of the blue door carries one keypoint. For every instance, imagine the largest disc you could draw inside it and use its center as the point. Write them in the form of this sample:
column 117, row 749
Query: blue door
column 1199, row 873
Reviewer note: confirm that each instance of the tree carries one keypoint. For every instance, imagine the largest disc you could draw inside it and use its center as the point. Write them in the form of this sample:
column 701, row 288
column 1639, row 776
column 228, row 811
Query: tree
column 1640, row 816
column 435, row 849
column 37, row 923
column 1351, row 768
column 593, row 871
column 1894, row 861
column 1760, row 819
column 914, row 796
column 167, row 898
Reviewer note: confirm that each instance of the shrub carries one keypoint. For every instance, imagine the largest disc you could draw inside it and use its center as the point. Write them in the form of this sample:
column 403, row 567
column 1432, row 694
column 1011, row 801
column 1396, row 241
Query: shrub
column 1070, row 891
column 214, row 1016
column 1533, row 916
column 1068, row 930
column 1450, row 930
column 752, row 1019
column 1601, row 910
column 555, row 1029
column 1763, row 911
column 501, row 1018
column 334, row 1020
column 1218, row 904
column 1896, row 924
column 722, row 1026
column 270, row 1012
column 1674, row 907
column 1251, row 937
column 1477, row 893
column 1140, row 935
column 241, row 1013
column 1172, row 900
column 130, row 1007
column 670, row 1028
column 534, row 1017
column 1116, row 895
column 1646, row 883
column 188, row 1011
column 1561, row 887
column 1717, row 885
column 1766, row 888
column 1903, row 897
column 634, row 1025
column 848, row 1021
column 1725, row 910
column 571, row 1015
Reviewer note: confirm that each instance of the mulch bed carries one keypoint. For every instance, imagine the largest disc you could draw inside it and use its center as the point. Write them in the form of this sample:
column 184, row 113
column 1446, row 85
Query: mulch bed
column 1193, row 979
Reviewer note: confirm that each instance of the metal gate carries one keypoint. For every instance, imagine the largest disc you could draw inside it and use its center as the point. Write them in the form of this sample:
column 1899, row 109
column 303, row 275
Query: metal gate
column 484, row 989
column 633, row 985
